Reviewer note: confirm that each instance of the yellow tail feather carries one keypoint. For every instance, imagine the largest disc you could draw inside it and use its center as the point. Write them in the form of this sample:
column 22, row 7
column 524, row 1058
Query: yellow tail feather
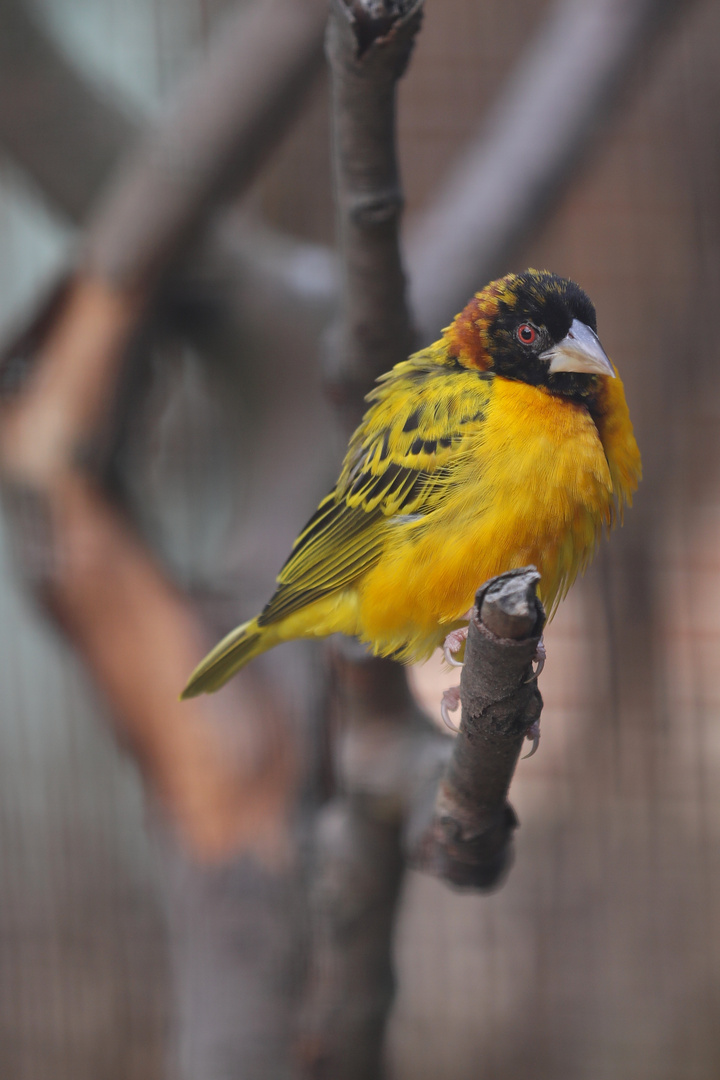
column 232, row 653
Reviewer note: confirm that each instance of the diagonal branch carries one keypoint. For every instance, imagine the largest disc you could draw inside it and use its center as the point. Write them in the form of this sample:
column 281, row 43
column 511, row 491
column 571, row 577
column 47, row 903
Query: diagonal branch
column 219, row 130
column 54, row 123
column 70, row 138
column 468, row 840
column 136, row 632
column 138, row 635
column 547, row 119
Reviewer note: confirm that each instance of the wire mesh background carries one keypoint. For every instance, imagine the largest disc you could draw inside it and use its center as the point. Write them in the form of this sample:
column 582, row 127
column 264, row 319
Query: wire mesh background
column 601, row 955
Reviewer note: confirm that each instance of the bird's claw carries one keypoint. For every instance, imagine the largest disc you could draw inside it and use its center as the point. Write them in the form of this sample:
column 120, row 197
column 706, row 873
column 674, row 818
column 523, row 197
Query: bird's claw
column 453, row 642
column 532, row 733
column 449, row 703
column 539, row 658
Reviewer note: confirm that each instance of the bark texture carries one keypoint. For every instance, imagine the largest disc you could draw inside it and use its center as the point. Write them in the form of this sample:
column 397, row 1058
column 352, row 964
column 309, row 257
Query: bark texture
column 368, row 51
column 469, row 840
column 359, row 855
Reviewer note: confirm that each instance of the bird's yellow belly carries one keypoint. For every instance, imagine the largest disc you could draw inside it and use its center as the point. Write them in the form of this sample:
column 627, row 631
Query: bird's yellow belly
column 534, row 488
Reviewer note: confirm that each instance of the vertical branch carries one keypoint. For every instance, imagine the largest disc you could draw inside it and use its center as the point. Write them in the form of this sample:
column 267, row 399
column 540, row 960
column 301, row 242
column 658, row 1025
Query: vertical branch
column 368, row 52
column 353, row 895
column 358, row 851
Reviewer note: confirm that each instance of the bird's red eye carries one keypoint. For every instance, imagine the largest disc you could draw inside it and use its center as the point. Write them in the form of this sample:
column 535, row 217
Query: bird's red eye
column 526, row 333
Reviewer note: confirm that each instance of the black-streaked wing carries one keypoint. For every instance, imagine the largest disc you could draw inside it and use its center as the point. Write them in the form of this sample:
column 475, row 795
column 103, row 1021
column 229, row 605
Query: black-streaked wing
column 397, row 466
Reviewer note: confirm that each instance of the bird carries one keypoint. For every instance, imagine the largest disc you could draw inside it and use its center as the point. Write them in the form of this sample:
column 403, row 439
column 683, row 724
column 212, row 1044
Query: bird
column 505, row 443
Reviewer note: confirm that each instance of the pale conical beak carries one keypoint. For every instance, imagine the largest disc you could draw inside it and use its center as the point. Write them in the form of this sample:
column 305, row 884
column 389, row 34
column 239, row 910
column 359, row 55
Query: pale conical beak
column 579, row 350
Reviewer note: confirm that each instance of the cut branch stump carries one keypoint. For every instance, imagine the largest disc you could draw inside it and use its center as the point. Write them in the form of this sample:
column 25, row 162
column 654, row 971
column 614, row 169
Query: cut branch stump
column 469, row 840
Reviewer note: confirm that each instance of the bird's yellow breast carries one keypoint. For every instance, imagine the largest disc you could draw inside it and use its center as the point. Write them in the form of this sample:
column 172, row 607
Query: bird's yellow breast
column 531, row 486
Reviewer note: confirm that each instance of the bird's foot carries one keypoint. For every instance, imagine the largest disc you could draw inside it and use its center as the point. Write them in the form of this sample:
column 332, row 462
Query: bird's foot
column 455, row 641
column 539, row 658
column 449, row 703
column 533, row 733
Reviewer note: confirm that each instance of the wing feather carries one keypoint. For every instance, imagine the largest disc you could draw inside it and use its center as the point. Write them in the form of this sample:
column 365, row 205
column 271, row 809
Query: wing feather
column 397, row 467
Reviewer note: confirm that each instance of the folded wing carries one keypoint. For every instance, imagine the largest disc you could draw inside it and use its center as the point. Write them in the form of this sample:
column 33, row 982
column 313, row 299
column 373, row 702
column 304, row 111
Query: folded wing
column 398, row 467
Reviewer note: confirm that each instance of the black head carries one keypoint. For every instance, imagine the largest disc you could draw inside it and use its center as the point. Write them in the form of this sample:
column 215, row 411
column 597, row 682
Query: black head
column 535, row 327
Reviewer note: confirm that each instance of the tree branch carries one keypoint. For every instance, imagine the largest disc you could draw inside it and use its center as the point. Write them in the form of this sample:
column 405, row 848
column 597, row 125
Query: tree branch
column 358, row 841
column 468, row 842
column 76, row 546
column 548, row 117
column 54, row 123
column 356, row 877
column 220, row 129
column 368, row 48
column 384, row 748
column 70, row 138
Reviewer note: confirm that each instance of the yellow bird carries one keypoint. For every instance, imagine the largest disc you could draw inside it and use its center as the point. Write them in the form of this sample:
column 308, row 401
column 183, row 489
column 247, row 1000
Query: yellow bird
column 507, row 442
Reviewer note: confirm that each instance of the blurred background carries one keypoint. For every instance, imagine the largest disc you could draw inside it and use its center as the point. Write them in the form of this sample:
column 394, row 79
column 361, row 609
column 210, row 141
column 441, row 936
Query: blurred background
column 126, row 952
